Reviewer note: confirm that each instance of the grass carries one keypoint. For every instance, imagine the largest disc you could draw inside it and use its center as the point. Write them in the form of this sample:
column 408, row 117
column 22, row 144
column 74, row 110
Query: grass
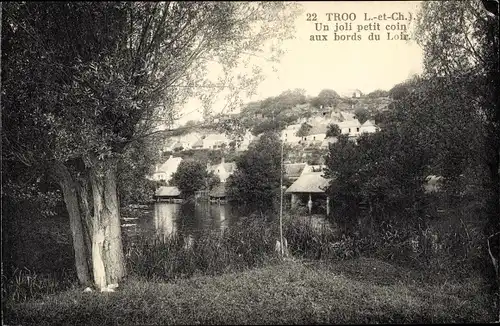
column 246, row 245
column 291, row 292
column 235, row 277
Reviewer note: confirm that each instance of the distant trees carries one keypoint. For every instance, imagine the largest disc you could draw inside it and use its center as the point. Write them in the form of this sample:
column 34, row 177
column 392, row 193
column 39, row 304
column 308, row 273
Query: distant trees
column 304, row 130
column 333, row 130
column 398, row 91
column 327, row 97
column 192, row 176
column 267, row 125
column 362, row 115
column 378, row 93
column 256, row 180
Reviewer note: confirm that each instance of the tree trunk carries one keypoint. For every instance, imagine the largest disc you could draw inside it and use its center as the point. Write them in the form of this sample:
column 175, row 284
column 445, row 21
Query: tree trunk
column 107, row 249
column 69, row 189
column 86, row 213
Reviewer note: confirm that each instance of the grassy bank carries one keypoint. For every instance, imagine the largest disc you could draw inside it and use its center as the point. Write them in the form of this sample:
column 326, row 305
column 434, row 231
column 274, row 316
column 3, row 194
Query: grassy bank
column 236, row 276
column 291, row 292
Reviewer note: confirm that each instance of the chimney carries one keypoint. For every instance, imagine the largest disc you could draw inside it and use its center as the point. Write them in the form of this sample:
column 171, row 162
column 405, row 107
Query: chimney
column 222, row 160
column 171, row 157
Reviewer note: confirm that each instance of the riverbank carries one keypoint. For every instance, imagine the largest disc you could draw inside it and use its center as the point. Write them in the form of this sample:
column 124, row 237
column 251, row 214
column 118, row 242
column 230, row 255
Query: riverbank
column 290, row 292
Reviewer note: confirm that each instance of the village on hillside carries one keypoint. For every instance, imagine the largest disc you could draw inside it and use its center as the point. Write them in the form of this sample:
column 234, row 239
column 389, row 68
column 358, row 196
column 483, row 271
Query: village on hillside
column 307, row 139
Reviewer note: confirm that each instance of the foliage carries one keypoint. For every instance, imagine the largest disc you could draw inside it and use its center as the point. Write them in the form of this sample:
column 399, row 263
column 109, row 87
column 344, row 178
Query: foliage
column 304, row 130
column 256, row 180
column 134, row 167
column 333, row 130
column 118, row 71
column 192, row 176
column 399, row 91
column 325, row 98
column 461, row 49
column 248, row 244
column 362, row 115
column 24, row 285
column 267, row 126
column 383, row 171
column 378, row 93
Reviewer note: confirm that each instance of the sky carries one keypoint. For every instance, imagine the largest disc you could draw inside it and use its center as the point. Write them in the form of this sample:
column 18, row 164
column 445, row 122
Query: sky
column 363, row 64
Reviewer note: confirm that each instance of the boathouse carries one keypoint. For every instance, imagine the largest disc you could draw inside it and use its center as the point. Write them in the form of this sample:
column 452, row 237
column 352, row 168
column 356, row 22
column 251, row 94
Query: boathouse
column 308, row 188
column 169, row 194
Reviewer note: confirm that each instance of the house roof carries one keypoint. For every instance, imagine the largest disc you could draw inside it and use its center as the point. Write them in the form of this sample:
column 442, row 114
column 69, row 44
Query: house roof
column 368, row 123
column 219, row 191
column 312, row 182
column 229, row 167
column 313, row 168
column 347, row 116
column 293, row 170
column 349, row 123
column 198, row 143
column 216, row 137
column 165, row 191
column 329, row 140
column 171, row 163
column 293, row 127
column 177, row 145
column 318, row 128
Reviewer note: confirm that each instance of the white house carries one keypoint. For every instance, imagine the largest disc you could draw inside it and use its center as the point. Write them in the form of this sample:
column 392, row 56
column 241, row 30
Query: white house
column 312, row 169
column 317, row 133
column 327, row 141
column 223, row 170
column 354, row 93
column 215, row 140
column 289, row 135
column 350, row 127
column 368, row 127
column 167, row 169
column 247, row 139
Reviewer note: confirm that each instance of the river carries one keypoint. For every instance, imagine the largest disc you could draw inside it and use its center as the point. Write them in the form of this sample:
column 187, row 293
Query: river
column 186, row 219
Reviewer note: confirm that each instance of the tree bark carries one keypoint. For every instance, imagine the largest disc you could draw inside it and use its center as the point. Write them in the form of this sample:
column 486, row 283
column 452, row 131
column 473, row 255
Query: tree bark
column 107, row 249
column 86, row 213
column 69, row 189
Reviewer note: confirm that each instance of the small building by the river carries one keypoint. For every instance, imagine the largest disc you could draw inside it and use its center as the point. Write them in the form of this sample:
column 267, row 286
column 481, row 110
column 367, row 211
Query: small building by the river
column 308, row 188
column 218, row 194
column 169, row 194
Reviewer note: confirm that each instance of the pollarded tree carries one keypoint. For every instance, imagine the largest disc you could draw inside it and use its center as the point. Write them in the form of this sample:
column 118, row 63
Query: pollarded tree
column 104, row 75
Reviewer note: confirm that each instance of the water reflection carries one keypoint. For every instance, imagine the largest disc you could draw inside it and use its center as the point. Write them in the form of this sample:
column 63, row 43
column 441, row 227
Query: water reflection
column 190, row 219
column 164, row 219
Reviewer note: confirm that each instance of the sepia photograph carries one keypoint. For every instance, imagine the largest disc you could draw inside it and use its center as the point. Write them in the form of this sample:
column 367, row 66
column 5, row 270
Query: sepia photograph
column 237, row 162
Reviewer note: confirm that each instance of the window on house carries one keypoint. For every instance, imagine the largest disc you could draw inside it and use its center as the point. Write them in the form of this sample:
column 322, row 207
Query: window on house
column 357, row 129
column 349, row 129
column 314, row 138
